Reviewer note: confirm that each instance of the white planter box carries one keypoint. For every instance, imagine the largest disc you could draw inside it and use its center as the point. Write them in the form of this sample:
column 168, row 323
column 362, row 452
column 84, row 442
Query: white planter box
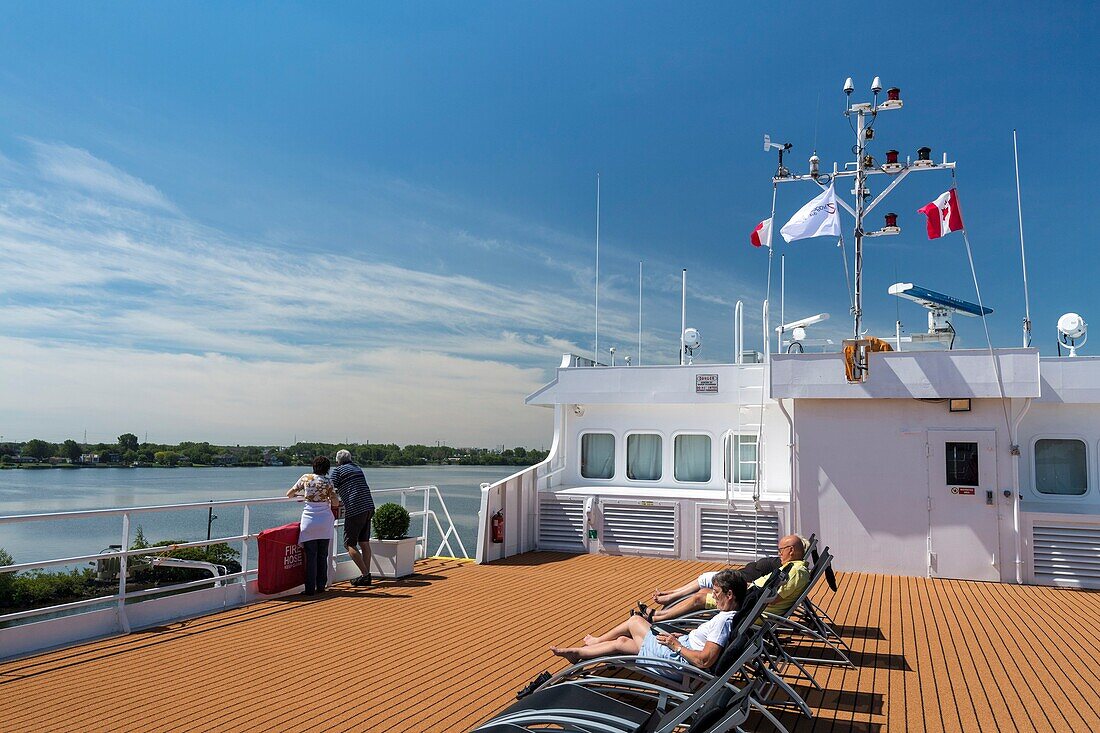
column 392, row 558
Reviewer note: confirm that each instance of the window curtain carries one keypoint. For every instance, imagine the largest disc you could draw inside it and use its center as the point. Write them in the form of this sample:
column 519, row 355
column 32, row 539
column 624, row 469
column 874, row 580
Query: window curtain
column 1061, row 467
column 643, row 457
column 746, row 459
column 693, row 458
column 597, row 455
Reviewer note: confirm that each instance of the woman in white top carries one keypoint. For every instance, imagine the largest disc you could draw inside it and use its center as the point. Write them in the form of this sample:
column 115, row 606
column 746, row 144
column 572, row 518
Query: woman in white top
column 315, row 530
column 700, row 647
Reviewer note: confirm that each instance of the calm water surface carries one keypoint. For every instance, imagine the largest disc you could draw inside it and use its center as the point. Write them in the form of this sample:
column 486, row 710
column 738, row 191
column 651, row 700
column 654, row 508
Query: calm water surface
column 55, row 490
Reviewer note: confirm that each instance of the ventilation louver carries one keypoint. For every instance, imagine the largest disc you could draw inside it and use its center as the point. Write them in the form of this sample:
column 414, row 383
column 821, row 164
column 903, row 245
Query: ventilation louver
column 751, row 534
column 561, row 524
column 1066, row 555
column 639, row 527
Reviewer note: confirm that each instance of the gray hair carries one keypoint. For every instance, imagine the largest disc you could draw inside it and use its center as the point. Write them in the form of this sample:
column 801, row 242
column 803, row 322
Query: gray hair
column 343, row 456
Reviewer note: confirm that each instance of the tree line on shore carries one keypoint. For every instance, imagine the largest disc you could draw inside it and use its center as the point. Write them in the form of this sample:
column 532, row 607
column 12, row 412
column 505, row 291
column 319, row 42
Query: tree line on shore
column 127, row 451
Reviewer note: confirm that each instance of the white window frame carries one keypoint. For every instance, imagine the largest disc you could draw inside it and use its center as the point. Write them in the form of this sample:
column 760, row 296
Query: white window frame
column 580, row 453
column 1089, row 477
column 626, row 457
column 735, row 469
column 672, row 455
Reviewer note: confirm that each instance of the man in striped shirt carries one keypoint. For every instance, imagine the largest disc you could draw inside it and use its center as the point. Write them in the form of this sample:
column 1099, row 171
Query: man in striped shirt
column 354, row 493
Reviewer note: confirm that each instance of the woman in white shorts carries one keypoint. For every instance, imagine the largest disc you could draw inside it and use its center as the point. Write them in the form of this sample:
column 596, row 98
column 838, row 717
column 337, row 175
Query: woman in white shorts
column 699, row 647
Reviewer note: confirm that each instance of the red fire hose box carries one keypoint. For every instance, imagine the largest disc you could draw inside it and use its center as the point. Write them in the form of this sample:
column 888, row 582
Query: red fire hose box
column 280, row 559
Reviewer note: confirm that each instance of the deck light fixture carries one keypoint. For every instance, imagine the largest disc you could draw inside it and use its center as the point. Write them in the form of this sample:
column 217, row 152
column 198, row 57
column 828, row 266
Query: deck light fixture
column 959, row 405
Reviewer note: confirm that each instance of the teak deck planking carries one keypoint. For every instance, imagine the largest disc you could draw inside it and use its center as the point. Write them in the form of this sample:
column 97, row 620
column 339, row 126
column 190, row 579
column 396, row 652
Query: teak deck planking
column 446, row 648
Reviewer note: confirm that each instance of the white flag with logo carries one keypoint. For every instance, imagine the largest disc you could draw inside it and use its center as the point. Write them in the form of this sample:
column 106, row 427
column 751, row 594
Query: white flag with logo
column 818, row 218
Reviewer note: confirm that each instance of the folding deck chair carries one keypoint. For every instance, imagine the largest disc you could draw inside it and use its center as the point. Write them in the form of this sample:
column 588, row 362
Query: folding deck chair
column 582, row 698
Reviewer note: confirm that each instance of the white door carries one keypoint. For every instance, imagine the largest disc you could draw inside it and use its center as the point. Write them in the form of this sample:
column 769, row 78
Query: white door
column 962, row 504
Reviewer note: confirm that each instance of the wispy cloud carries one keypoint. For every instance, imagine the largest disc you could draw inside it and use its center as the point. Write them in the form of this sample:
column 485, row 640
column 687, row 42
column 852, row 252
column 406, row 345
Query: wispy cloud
column 80, row 169
column 177, row 326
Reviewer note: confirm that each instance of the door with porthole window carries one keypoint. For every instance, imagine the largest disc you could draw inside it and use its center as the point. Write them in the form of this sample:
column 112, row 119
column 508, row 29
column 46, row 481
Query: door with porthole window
column 963, row 501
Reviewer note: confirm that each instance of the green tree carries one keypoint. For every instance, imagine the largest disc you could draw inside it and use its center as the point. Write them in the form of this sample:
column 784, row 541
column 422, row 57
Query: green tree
column 128, row 441
column 166, row 457
column 71, row 450
column 39, row 449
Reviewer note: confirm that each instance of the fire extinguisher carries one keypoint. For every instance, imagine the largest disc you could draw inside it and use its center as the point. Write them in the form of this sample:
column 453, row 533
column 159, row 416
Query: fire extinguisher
column 496, row 527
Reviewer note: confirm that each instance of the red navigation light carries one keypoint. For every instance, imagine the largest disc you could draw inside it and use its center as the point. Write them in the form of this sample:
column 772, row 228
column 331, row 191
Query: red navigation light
column 891, row 157
column 891, row 219
column 893, row 94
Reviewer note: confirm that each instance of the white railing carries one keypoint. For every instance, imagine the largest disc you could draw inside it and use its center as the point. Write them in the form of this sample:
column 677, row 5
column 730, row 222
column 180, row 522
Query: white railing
column 428, row 517
column 426, row 514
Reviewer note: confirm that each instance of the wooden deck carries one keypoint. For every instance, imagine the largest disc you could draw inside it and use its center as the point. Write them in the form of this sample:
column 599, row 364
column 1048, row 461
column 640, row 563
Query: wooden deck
column 447, row 648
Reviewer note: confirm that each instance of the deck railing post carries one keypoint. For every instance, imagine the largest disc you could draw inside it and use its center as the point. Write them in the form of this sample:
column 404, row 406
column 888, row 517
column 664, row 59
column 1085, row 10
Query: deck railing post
column 424, row 533
column 244, row 547
column 123, row 566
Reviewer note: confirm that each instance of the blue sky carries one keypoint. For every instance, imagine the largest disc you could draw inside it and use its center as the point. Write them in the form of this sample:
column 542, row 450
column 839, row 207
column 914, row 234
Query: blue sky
column 252, row 221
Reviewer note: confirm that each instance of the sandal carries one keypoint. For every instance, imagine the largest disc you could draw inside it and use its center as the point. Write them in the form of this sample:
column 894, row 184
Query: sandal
column 533, row 685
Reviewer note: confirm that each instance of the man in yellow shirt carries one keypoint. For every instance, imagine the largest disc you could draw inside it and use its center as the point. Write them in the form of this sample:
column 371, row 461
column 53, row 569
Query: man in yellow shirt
column 791, row 552
column 792, row 549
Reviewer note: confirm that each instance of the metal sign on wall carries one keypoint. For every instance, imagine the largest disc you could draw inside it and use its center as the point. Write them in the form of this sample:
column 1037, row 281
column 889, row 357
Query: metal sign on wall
column 706, row 384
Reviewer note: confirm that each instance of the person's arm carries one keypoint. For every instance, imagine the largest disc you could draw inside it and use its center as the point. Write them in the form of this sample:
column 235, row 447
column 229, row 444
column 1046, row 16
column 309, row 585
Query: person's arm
column 296, row 489
column 664, row 596
column 703, row 659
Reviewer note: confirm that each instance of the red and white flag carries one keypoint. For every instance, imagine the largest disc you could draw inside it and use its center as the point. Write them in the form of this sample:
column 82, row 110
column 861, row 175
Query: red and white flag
column 762, row 235
column 943, row 215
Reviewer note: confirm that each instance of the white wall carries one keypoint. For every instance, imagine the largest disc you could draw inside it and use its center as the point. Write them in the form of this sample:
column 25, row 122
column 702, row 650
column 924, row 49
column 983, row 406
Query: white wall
column 862, row 480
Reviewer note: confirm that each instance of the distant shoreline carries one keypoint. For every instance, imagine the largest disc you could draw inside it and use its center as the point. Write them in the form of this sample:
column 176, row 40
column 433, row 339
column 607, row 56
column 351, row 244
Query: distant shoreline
column 93, row 466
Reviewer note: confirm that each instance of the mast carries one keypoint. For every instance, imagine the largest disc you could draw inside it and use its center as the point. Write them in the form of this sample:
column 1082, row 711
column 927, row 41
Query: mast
column 860, row 191
column 596, row 347
column 860, row 170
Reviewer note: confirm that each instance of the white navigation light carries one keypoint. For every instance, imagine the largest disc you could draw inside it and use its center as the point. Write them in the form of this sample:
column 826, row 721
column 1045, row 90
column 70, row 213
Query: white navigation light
column 692, row 339
column 1072, row 333
column 849, row 87
column 876, row 85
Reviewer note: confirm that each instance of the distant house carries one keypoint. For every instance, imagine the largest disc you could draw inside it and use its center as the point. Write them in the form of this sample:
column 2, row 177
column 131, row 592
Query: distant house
column 225, row 459
column 89, row 458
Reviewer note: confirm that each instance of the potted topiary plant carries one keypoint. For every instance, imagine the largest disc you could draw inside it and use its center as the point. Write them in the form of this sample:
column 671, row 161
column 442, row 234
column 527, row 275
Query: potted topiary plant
column 392, row 553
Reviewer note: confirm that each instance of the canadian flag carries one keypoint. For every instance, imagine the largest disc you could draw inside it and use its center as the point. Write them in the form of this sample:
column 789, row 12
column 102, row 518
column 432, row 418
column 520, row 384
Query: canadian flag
column 762, row 235
column 943, row 215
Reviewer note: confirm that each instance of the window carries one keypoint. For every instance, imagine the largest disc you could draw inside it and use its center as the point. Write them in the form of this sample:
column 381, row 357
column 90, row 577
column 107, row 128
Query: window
column 1061, row 466
column 692, row 458
column 962, row 464
column 643, row 457
column 744, row 458
column 597, row 455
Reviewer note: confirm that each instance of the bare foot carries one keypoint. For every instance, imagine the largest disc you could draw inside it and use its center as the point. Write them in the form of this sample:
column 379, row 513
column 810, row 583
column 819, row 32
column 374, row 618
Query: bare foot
column 589, row 640
column 570, row 655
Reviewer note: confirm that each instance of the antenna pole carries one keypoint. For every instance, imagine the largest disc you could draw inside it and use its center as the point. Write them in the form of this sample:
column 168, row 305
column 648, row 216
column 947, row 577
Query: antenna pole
column 782, row 302
column 1023, row 259
column 639, row 312
column 596, row 348
column 683, row 310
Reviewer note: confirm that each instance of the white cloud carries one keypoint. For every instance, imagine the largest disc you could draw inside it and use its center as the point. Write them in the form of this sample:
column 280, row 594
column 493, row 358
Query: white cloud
column 381, row 395
column 81, row 169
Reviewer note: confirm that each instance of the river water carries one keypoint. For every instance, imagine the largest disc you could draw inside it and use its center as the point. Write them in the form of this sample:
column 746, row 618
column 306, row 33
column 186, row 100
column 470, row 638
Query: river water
column 56, row 490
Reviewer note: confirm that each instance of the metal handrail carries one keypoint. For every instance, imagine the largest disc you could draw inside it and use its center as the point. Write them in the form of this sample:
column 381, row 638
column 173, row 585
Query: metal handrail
column 428, row 515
